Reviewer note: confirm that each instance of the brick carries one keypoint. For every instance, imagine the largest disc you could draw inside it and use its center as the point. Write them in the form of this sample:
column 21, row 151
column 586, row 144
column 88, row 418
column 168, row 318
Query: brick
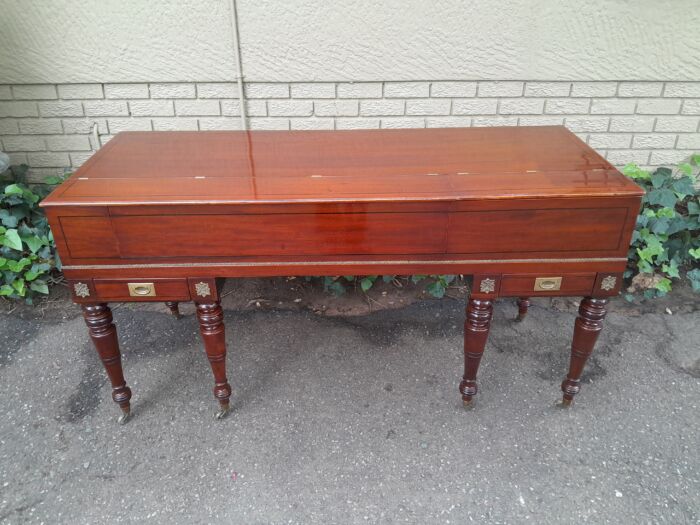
column 453, row 89
column 268, row 123
column 521, row 106
column 152, row 108
column 593, row 89
column 18, row 158
column 691, row 107
column 474, row 106
column 83, row 126
column 666, row 157
column 500, row 89
column 217, row 90
column 448, row 122
column 313, row 90
column 621, row 157
column 689, row 141
column 402, row 122
column 547, row 89
column 266, row 90
column 587, row 123
column 68, row 143
column 428, row 106
column 117, row 125
column 652, row 141
column 8, row 126
column 290, row 108
column 642, row 124
column 34, row 92
column 613, row 106
column 172, row 90
column 339, row 108
column 48, row 160
column 658, row 106
column 232, row 108
column 204, row 108
column 312, row 123
column 23, row 143
column 356, row 123
column 681, row 124
column 359, row 90
column 5, row 93
column 126, row 90
column 40, row 126
column 80, row 91
column 99, row 108
column 254, row 108
column 78, row 159
column 609, row 140
column 682, row 89
column 38, row 175
column 175, row 124
column 567, row 106
column 406, row 89
column 219, row 123
column 482, row 122
column 381, row 107
column 18, row 109
column 541, row 120
column 639, row 89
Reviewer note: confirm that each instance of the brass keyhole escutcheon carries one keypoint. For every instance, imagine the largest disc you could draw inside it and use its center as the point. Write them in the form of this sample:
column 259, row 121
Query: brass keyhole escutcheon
column 142, row 290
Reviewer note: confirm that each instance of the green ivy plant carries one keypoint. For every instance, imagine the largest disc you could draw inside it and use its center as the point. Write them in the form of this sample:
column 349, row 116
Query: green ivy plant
column 338, row 285
column 666, row 241
column 27, row 250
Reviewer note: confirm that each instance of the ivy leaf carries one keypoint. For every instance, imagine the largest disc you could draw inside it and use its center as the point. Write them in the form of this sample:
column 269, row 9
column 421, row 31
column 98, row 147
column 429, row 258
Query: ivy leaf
column 436, row 289
column 671, row 269
column 693, row 208
column 658, row 179
column 20, row 287
column 417, row 278
column 40, row 287
column 52, row 181
column 683, row 186
column 694, row 276
column 11, row 240
column 686, row 168
column 29, row 275
column 662, row 197
column 694, row 253
column 6, row 289
column 8, row 219
column 366, row 284
column 388, row 278
column 33, row 242
column 695, row 159
column 13, row 189
column 663, row 285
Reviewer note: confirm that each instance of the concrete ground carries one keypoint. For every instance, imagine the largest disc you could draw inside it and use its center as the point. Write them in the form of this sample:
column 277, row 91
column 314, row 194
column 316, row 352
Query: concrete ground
column 351, row 420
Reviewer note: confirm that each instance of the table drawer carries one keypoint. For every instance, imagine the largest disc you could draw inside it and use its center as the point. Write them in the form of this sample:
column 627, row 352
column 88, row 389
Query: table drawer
column 142, row 289
column 547, row 284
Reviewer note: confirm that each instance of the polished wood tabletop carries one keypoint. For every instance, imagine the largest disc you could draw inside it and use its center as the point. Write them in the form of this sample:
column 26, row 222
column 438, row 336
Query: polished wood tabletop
column 335, row 166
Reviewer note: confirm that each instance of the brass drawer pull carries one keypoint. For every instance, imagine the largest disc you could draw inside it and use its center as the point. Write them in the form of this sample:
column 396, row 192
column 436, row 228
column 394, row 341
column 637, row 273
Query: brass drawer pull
column 547, row 284
column 142, row 289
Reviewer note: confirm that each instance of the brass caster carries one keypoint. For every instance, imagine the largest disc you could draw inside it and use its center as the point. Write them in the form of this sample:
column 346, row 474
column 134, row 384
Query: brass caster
column 468, row 403
column 124, row 417
column 566, row 403
column 221, row 414
column 519, row 319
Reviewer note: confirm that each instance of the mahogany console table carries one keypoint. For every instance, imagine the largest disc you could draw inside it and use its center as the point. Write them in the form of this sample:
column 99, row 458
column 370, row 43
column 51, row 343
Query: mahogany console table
column 165, row 216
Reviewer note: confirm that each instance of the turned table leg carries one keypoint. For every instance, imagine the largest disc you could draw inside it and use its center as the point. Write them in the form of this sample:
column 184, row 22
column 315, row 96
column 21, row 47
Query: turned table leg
column 476, row 331
column 174, row 308
column 98, row 318
column 211, row 326
column 523, row 305
column 588, row 325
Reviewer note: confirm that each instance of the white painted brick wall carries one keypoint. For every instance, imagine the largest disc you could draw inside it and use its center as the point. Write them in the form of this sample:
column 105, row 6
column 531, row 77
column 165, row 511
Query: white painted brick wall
column 650, row 123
